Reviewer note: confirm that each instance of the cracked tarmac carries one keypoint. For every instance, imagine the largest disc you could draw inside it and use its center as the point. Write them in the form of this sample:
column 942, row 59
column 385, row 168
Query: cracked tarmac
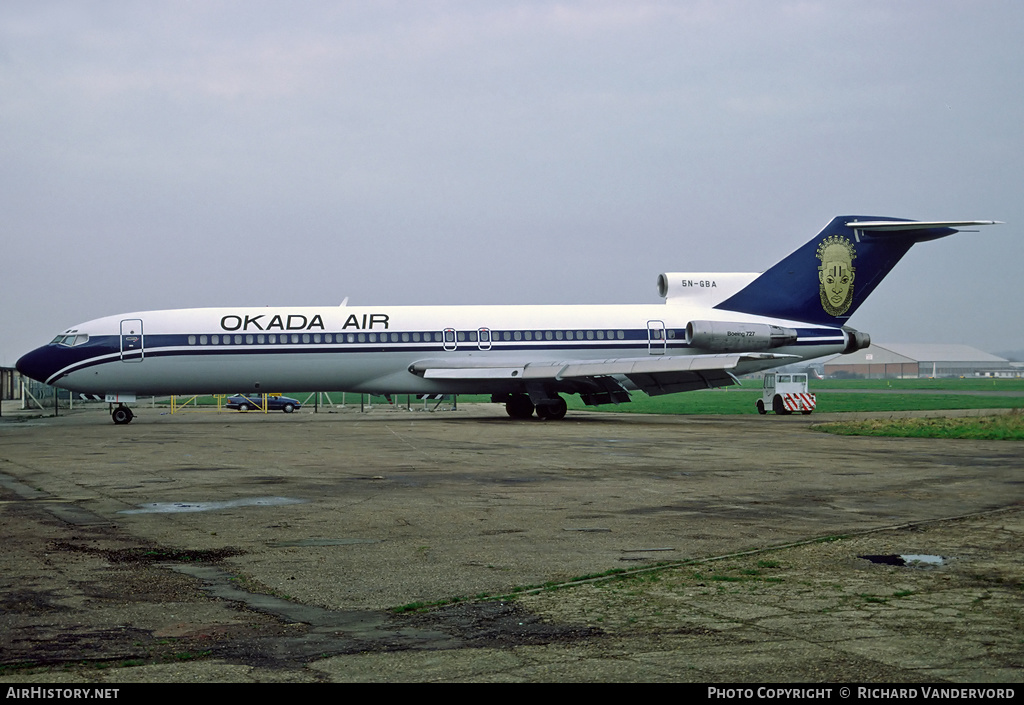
column 400, row 507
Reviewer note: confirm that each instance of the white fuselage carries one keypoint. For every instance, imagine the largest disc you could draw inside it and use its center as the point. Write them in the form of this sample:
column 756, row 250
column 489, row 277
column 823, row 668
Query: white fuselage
column 372, row 349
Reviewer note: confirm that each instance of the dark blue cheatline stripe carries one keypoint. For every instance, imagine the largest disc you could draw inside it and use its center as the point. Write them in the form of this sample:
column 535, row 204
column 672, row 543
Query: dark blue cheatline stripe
column 104, row 349
column 103, row 354
column 640, row 336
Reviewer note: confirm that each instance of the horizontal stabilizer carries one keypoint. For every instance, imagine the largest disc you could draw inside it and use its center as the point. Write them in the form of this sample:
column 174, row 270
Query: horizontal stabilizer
column 826, row 280
column 897, row 226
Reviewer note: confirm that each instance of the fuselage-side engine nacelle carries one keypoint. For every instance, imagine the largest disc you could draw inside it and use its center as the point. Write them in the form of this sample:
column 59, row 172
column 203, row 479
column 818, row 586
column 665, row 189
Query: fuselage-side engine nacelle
column 726, row 337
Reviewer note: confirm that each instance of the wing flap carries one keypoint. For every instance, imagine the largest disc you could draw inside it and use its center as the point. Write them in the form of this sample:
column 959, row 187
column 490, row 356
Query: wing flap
column 650, row 365
column 595, row 379
column 670, row 383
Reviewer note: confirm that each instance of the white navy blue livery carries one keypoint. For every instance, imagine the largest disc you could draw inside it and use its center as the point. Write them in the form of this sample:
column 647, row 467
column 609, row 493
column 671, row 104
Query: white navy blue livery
column 711, row 328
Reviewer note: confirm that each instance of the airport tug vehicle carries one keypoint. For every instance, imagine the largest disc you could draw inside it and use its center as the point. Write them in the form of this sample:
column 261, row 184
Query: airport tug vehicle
column 785, row 393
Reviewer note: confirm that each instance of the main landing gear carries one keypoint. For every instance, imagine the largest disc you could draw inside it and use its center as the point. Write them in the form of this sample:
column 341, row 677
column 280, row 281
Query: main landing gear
column 519, row 406
column 121, row 414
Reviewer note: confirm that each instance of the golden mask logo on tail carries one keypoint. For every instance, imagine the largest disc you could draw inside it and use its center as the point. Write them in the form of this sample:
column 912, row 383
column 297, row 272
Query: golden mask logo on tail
column 836, row 274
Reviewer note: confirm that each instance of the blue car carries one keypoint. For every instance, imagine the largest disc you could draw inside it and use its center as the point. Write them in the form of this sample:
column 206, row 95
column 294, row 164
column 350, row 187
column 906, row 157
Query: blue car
column 244, row 402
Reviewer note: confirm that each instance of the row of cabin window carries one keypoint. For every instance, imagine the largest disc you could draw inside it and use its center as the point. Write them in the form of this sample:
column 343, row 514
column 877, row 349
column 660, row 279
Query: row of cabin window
column 274, row 338
column 472, row 335
column 448, row 336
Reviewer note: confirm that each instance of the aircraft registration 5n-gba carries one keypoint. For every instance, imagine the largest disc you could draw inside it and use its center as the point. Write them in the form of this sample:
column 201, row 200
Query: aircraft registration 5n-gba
column 711, row 328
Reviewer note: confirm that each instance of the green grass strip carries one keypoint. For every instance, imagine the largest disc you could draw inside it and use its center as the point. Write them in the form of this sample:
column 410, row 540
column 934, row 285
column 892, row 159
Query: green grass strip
column 1001, row 427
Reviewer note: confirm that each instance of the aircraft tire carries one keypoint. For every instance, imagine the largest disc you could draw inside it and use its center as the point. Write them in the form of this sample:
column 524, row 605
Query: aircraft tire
column 122, row 415
column 779, row 407
column 519, row 406
column 554, row 410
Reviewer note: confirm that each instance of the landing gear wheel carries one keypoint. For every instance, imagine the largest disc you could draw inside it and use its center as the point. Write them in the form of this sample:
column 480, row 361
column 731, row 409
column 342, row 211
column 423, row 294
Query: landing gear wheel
column 519, row 406
column 121, row 414
column 779, row 407
column 553, row 410
column 760, row 407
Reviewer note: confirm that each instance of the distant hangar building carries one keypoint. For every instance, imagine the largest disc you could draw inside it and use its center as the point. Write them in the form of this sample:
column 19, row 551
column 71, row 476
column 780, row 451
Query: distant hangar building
column 912, row 360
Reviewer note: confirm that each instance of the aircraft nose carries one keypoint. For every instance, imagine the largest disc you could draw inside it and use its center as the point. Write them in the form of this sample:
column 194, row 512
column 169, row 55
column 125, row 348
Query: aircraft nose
column 38, row 364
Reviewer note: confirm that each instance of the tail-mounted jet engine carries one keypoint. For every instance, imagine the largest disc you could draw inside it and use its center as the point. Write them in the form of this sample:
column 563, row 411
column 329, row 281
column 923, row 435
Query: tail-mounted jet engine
column 855, row 340
column 725, row 337
column 701, row 287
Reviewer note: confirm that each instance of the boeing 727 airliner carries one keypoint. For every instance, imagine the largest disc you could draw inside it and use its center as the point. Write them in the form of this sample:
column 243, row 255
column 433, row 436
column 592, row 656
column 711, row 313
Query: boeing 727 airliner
column 711, row 328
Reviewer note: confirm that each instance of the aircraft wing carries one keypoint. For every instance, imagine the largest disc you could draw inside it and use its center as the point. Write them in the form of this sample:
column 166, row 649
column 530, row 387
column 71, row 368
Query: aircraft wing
column 601, row 381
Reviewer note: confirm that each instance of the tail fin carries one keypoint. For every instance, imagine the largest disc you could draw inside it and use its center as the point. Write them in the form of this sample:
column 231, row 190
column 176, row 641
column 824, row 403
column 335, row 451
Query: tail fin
column 827, row 279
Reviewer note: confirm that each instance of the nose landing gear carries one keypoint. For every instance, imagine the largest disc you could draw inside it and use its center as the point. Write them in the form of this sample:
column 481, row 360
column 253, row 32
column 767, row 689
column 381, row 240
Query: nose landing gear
column 121, row 414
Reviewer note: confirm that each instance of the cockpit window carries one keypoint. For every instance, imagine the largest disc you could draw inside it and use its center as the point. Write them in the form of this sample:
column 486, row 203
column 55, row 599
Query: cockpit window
column 70, row 339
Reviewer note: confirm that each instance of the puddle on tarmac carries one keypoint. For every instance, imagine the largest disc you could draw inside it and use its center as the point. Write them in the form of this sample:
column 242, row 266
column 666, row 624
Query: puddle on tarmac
column 906, row 559
column 912, row 558
column 173, row 507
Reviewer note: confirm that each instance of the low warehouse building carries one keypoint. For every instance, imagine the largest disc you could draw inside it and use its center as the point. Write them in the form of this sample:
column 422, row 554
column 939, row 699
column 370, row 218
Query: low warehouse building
column 911, row 360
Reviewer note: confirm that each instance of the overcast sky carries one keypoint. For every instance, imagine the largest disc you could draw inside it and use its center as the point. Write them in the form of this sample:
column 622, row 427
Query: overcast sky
column 178, row 154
